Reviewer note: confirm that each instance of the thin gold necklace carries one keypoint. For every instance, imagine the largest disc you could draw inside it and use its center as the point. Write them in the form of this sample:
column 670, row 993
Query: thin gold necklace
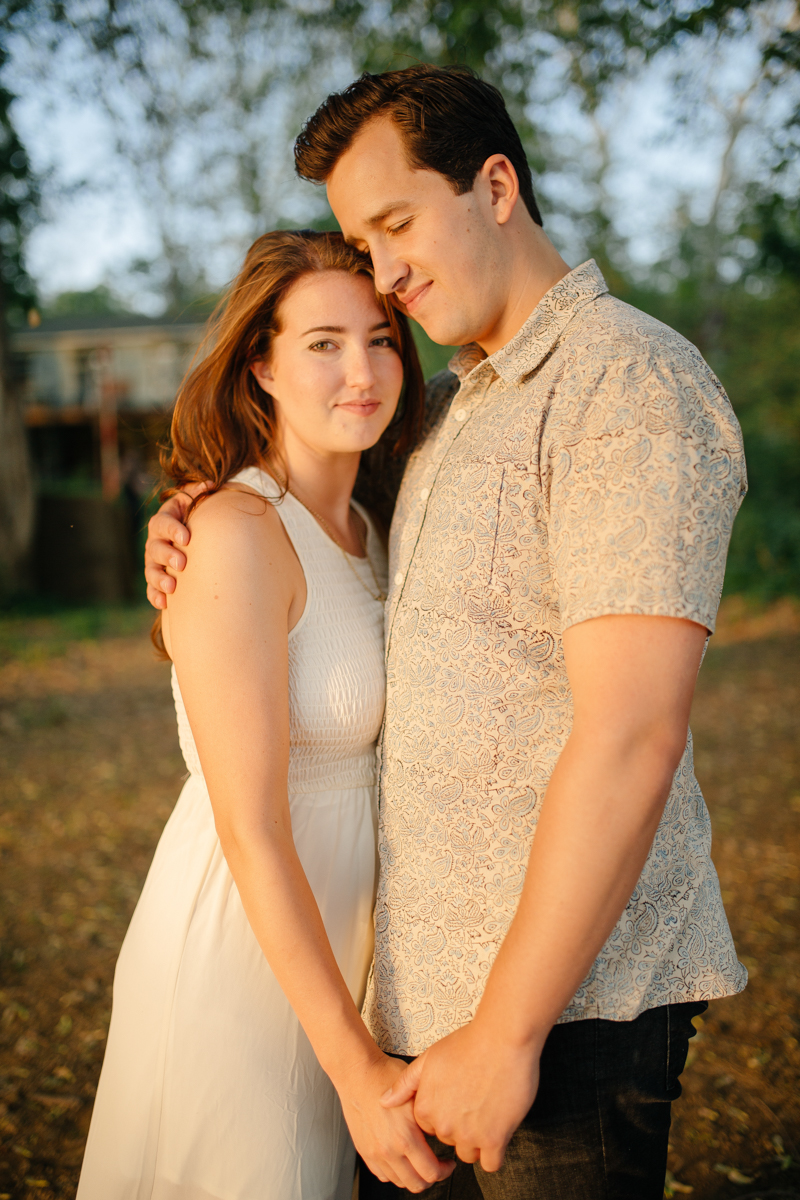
column 362, row 540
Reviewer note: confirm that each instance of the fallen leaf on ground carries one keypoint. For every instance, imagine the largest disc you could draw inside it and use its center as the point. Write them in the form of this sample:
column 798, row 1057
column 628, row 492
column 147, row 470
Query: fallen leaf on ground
column 672, row 1185
column 733, row 1174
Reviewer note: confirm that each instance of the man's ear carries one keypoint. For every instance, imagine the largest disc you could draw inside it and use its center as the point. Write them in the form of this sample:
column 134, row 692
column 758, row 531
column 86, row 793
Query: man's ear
column 262, row 373
column 503, row 183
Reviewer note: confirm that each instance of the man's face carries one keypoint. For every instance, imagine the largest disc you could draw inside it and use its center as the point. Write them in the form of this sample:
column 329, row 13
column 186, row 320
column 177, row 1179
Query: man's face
column 436, row 252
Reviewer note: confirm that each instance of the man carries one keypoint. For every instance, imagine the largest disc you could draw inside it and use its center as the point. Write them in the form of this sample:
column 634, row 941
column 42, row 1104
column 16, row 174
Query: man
column 557, row 556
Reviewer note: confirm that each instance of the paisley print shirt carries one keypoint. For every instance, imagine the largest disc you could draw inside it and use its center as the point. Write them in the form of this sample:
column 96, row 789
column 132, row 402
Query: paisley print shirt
column 593, row 465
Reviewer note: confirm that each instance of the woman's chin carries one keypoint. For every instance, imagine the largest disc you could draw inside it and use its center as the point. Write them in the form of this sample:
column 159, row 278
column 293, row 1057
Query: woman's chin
column 357, row 440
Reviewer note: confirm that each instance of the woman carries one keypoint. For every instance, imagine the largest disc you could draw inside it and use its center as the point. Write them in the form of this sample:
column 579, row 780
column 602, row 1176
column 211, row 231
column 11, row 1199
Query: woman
column 237, row 991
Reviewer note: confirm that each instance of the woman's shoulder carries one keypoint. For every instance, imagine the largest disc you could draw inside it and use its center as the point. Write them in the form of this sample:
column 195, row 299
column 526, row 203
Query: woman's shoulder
column 237, row 517
column 232, row 503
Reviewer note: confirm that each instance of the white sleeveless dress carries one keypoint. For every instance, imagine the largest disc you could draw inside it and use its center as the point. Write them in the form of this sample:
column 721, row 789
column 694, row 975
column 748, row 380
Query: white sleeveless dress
column 210, row 1089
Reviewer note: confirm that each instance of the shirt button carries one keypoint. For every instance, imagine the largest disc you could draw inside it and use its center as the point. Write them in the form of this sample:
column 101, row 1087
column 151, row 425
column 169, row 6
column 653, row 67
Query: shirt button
column 398, row 578
column 424, row 493
column 460, row 414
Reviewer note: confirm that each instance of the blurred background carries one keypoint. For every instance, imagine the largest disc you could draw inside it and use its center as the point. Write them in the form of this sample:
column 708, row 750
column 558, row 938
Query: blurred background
column 143, row 145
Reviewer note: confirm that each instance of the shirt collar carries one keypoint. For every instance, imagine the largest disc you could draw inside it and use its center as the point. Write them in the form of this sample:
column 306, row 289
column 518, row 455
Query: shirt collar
column 539, row 334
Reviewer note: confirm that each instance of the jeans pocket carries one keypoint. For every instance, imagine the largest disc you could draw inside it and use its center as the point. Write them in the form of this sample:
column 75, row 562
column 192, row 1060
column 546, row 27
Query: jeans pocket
column 679, row 1030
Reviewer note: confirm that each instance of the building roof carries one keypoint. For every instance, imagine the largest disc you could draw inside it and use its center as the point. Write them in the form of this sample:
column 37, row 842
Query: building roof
column 91, row 332
column 89, row 324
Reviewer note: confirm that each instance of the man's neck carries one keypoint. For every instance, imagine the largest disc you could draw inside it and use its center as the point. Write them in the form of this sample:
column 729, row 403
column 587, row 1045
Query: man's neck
column 537, row 267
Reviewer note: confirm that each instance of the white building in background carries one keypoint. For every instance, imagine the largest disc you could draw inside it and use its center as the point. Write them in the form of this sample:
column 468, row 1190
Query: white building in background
column 97, row 392
column 66, row 364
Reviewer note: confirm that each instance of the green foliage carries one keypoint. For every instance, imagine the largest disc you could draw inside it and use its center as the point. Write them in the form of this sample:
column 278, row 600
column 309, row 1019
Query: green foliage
column 759, row 359
column 752, row 341
column 19, row 187
column 19, row 204
column 777, row 222
column 606, row 39
column 433, row 357
column 34, row 628
column 97, row 302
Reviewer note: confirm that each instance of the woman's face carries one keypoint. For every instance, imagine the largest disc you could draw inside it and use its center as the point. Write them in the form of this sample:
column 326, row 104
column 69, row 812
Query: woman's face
column 334, row 373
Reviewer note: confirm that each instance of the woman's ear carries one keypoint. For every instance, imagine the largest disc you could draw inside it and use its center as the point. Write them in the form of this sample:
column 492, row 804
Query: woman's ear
column 262, row 373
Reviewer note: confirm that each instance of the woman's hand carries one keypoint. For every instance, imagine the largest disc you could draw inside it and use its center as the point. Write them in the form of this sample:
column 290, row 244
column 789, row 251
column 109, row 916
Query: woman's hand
column 388, row 1139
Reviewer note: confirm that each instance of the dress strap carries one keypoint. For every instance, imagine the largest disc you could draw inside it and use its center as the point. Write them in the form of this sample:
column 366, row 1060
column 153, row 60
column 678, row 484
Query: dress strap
column 260, row 481
column 302, row 530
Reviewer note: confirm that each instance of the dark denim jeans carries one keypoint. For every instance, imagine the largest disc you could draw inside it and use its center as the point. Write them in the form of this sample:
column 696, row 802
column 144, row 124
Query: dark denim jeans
column 599, row 1126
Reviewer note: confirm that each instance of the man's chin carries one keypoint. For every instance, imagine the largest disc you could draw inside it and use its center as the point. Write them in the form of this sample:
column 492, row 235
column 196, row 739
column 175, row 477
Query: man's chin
column 443, row 333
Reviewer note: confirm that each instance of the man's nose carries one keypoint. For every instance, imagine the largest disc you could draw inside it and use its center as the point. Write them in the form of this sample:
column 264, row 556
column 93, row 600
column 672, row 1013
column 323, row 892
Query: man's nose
column 390, row 271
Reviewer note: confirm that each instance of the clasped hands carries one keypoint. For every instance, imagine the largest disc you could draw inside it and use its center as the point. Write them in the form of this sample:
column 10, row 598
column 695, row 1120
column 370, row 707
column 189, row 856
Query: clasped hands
column 470, row 1090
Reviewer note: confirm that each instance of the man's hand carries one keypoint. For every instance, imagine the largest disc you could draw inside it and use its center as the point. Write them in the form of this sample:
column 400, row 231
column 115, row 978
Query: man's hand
column 472, row 1090
column 165, row 533
column 388, row 1139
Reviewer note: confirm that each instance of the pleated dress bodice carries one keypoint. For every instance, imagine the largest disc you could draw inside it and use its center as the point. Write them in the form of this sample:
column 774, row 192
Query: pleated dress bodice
column 336, row 673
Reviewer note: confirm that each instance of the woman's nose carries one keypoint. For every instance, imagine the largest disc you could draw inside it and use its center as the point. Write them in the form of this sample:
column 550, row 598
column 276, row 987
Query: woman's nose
column 360, row 373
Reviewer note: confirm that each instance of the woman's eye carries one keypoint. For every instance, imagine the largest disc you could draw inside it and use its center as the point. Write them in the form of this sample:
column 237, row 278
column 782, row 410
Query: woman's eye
column 383, row 341
column 321, row 345
column 401, row 227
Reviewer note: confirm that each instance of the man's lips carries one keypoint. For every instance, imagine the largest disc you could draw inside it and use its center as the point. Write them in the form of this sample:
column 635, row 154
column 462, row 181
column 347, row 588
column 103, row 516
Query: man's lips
column 411, row 300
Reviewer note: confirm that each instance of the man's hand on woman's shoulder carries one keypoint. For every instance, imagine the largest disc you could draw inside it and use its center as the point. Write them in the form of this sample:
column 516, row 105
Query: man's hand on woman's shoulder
column 166, row 533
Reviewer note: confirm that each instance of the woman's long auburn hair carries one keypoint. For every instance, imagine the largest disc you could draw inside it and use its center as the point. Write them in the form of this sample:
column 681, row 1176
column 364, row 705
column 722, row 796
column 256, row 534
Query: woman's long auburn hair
column 223, row 420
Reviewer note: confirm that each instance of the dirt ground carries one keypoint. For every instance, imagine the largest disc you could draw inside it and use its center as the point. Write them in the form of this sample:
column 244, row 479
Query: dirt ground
column 90, row 768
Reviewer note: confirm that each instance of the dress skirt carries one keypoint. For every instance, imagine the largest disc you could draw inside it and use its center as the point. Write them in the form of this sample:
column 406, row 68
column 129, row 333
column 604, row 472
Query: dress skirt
column 210, row 1089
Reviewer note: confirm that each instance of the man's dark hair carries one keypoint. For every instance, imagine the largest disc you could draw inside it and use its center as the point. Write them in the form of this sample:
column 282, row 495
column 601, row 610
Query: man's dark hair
column 450, row 122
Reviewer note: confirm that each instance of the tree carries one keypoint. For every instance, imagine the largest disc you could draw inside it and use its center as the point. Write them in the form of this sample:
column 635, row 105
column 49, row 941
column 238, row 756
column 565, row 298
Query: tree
column 206, row 97
column 19, row 197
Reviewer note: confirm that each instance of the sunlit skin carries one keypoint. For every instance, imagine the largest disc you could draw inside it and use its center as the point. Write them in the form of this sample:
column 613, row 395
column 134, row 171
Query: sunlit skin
column 472, row 268
column 468, row 268
column 335, row 376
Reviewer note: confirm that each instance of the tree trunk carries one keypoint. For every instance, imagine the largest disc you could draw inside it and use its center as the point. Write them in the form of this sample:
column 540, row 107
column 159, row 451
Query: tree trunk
column 17, row 503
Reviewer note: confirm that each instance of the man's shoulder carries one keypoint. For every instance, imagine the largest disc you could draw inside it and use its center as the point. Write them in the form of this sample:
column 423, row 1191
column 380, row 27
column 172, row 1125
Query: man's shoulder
column 618, row 331
column 616, row 357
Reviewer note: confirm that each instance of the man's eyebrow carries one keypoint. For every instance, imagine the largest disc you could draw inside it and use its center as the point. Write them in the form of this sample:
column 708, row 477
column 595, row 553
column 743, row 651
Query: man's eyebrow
column 341, row 328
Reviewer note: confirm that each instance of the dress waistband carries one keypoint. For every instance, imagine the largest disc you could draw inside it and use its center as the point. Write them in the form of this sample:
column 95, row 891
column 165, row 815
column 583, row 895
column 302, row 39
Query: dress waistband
column 318, row 774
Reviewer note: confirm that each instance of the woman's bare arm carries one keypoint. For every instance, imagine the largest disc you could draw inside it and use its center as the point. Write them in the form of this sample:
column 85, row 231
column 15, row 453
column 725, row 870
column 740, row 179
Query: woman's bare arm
column 227, row 630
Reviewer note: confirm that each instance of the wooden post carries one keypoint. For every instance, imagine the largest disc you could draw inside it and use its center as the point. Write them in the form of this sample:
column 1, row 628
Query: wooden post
column 17, row 499
column 109, row 436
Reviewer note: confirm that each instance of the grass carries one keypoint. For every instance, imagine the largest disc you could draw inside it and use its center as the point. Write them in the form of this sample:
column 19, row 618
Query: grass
column 35, row 629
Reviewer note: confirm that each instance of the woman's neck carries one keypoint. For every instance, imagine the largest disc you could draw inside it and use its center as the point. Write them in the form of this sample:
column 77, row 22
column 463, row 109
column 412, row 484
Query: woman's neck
column 324, row 484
